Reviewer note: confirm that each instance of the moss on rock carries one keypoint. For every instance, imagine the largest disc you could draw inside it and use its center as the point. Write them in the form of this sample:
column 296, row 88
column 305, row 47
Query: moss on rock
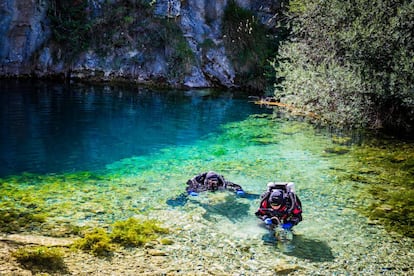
column 40, row 258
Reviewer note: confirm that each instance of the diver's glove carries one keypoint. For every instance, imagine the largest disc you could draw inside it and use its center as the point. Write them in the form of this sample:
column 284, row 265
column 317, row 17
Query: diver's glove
column 268, row 221
column 287, row 225
column 240, row 192
column 193, row 193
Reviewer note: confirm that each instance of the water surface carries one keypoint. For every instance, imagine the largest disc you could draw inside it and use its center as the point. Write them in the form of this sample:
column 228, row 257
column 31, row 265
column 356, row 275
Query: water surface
column 109, row 161
column 50, row 128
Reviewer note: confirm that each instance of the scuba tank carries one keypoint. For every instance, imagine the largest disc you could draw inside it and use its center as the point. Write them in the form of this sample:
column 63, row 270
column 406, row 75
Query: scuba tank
column 290, row 187
column 287, row 187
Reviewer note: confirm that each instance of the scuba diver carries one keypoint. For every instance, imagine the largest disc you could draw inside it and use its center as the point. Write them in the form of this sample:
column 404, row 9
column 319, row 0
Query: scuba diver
column 280, row 207
column 211, row 181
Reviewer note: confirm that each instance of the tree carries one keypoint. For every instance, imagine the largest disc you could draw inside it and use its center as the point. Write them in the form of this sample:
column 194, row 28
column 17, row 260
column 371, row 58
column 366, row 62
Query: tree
column 350, row 61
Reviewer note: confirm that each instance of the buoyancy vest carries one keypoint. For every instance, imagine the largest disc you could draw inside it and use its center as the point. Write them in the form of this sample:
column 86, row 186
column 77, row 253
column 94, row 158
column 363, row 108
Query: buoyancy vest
column 293, row 203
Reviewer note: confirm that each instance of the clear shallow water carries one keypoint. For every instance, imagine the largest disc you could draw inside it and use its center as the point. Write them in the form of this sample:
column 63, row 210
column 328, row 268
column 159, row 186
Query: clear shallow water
column 218, row 232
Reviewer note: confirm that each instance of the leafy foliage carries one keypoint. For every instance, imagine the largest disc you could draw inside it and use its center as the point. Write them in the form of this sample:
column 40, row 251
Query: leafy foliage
column 76, row 26
column 179, row 55
column 71, row 24
column 335, row 93
column 115, row 25
column 356, row 55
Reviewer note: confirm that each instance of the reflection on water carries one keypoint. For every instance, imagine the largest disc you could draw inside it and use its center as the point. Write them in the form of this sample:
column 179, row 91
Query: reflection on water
column 49, row 128
column 333, row 238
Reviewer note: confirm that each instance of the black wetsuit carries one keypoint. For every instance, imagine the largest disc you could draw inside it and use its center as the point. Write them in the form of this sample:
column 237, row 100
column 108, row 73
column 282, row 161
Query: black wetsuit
column 201, row 183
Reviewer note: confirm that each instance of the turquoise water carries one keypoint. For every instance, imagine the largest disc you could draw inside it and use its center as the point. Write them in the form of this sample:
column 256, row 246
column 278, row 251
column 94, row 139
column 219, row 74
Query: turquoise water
column 52, row 128
column 249, row 147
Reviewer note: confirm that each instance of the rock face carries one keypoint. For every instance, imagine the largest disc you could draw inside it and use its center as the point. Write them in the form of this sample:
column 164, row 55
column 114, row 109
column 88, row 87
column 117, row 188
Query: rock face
column 26, row 48
column 23, row 31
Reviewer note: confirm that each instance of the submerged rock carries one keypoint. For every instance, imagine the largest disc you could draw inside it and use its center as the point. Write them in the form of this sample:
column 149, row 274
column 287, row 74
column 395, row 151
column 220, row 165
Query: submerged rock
column 37, row 239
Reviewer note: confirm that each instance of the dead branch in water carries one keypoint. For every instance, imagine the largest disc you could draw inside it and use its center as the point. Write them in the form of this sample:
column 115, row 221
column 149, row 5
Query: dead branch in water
column 290, row 108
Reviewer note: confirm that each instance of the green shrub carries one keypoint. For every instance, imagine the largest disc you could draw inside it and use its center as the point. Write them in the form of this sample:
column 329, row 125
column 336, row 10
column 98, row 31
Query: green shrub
column 71, row 25
column 357, row 51
column 337, row 94
column 297, row 6
column 75, row 28
column 178, row 53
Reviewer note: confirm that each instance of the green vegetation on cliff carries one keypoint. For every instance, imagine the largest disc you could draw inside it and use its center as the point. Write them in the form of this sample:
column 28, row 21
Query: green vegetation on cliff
column 116, row 27
column 352, row 63
column 249, row 45
column 71, row 25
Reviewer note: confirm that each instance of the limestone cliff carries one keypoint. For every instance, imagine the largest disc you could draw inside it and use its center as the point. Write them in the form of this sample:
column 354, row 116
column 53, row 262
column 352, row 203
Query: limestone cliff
column 164, row 42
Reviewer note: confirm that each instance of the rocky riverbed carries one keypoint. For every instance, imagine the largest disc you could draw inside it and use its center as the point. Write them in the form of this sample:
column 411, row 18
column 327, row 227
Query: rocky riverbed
column 218, row 233
column 205, row 247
